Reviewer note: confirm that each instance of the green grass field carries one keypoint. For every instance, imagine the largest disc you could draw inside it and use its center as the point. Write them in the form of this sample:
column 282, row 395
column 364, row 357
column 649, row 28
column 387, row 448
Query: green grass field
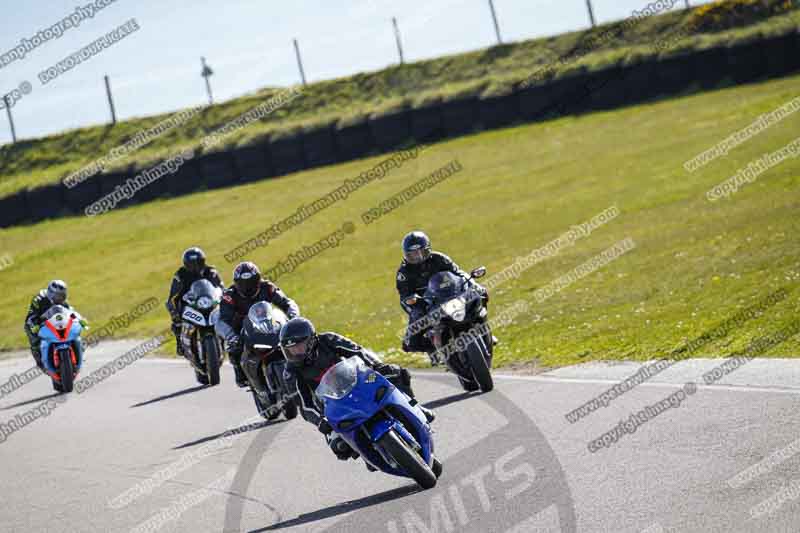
column 696, row 263
column 489, row 71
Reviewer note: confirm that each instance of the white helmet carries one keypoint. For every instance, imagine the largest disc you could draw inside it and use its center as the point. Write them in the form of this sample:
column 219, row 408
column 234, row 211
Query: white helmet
column 57, row 291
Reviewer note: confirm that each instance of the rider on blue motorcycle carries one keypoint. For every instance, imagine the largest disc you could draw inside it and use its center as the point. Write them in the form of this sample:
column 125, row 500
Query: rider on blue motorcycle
column 309, row 355
column 55, row 294
column 419, row 264
column 194, row 268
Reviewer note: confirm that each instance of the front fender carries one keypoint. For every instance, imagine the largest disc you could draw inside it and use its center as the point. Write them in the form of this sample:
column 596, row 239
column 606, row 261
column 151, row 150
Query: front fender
column 380, row 428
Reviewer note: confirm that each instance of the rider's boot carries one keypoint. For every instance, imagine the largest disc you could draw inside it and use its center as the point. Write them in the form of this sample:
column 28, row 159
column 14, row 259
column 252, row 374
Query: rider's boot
column 241, row 377
column 37, row 356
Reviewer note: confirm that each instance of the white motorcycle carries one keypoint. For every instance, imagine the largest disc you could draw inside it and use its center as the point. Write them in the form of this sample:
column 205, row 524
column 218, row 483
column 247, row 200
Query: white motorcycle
column 199, row 339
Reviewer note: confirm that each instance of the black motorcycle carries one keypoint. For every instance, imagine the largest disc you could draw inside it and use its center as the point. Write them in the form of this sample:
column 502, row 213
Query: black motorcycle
column 199, row 339
column 459, row 328
column 263, row 361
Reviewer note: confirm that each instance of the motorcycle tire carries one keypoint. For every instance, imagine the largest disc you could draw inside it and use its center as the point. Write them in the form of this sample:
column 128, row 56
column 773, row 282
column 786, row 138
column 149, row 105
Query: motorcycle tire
column 211, row 353
column 476, row 356
column 408, row 459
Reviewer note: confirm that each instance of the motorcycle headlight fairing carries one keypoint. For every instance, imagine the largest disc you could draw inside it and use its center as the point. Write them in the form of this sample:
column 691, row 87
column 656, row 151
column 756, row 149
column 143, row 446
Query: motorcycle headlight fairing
column 205, row 302
column 456, row 309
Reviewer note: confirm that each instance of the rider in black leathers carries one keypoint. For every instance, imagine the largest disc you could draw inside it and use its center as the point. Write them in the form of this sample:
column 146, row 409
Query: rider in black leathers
column 419, row 264
column 309, row 355
column 247, row 289
column 194, row 268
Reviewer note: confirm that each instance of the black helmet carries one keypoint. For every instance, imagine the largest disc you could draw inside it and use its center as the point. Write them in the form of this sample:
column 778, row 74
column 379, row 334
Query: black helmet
column 57, row 291
column 299, row 341
column 246, row 279
column 416, row 248
column 194, row 260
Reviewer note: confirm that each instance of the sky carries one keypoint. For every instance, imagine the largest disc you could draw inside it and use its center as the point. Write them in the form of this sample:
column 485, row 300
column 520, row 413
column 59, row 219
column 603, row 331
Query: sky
column 248, row 44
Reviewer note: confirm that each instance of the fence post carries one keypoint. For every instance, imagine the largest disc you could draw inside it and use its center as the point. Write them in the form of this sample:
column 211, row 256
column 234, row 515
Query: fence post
column 299, row 62
column 494, row 19
column 591, row 12
column 397, row 38
column 110, row 101
column 7, row 100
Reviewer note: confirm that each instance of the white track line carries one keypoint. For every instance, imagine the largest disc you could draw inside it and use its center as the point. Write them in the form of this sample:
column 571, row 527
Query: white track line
column 658, row 384
column 543, row 378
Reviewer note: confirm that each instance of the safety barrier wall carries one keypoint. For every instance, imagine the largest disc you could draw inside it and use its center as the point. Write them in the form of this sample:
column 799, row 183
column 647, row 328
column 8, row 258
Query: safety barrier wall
column 608, row 88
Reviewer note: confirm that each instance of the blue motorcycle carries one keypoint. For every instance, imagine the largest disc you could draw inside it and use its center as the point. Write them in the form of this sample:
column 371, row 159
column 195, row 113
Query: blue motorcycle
column 62, row 351
column 378, row 422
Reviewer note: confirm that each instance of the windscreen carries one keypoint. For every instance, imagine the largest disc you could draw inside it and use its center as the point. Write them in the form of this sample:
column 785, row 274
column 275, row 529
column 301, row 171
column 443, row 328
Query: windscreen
column 340, row 379
column 58, row 315
column 443, row 286
column 203, row 287
column 263, row 319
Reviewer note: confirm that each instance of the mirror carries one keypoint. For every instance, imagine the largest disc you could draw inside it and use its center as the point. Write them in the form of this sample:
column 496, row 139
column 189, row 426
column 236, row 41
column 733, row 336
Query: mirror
column 478, row 272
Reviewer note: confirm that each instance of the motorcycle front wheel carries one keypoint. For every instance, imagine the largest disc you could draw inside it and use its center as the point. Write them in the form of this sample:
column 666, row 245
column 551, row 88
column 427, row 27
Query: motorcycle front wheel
column 477, row 356
column 408, row 459
column 211, row 353
column 66, row 370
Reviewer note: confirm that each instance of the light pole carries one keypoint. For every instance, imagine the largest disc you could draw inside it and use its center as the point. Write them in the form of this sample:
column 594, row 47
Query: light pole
column 207, row 73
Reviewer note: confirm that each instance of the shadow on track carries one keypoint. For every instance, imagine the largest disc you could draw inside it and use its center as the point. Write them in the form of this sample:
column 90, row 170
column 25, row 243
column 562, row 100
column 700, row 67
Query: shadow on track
column 342, row 508
column 33, row 400
column 447, row 400
column 171, row 395
column 236, row 431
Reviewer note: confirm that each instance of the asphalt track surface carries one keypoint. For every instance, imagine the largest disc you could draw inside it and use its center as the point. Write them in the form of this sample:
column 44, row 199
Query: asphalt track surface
column 145, row 450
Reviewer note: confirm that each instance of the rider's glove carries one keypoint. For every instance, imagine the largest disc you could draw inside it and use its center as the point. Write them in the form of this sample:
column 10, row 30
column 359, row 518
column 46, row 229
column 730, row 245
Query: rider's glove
column 384, row 370
column 84, row 324
column 324, row 427
column 35, row 328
